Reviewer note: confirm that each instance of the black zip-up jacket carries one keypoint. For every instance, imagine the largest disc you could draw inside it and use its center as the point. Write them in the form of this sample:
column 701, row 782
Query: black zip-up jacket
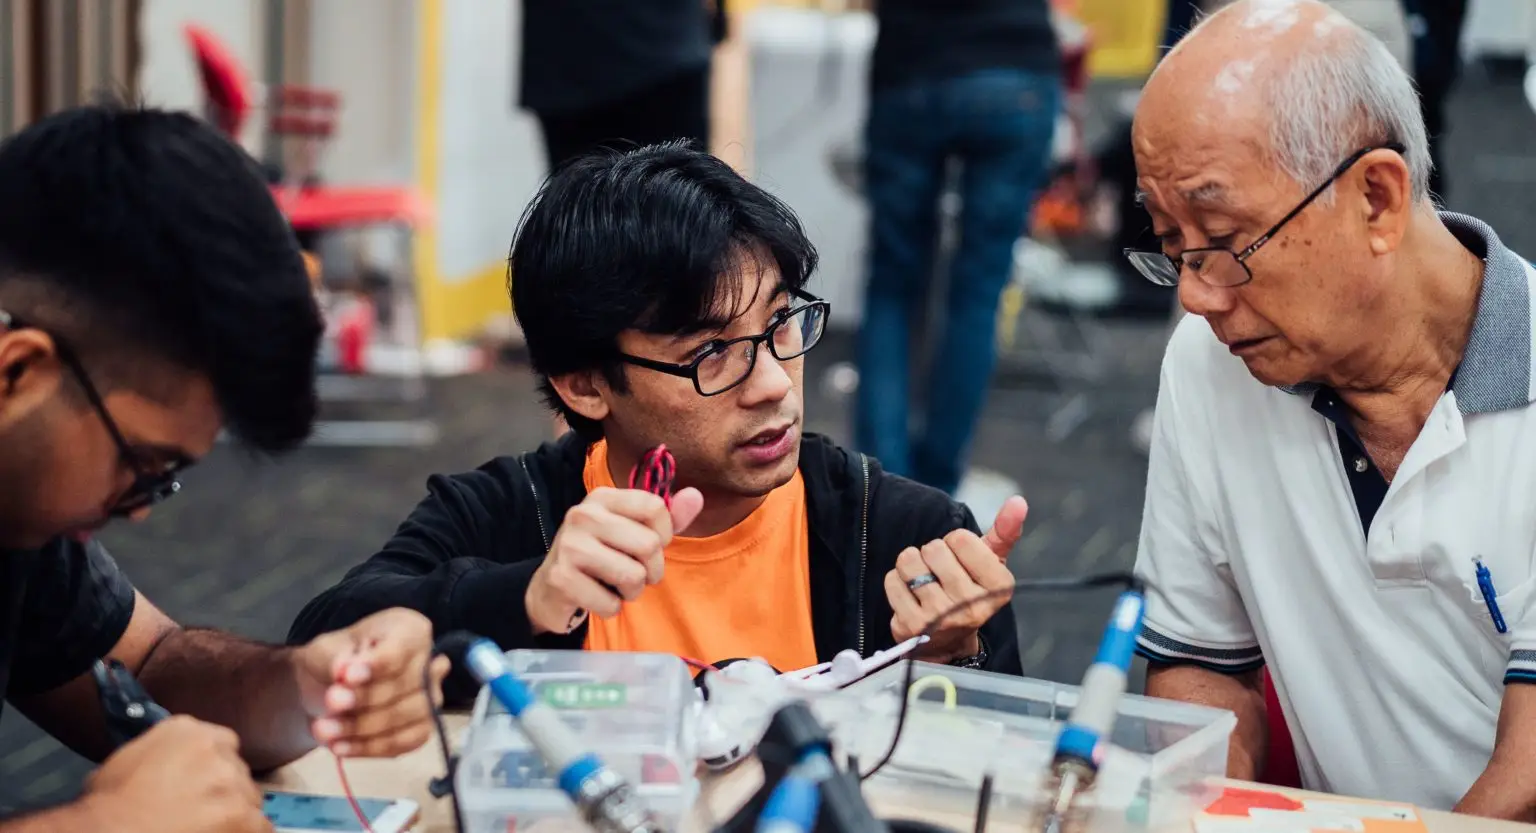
column 466, row 554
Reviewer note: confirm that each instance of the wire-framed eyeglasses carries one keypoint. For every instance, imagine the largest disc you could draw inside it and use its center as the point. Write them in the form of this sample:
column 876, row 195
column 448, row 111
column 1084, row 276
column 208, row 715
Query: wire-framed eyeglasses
column 1220, row 266
column 725, row 364
column 151, row 484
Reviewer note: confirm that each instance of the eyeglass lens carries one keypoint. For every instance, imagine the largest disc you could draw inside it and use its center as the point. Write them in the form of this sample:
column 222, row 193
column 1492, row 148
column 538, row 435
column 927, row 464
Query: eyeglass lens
column 1216, row 267
column 790, row 338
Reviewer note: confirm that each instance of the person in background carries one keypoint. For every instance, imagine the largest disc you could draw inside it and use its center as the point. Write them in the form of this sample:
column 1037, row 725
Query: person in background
column 664, row 301
column 152, row 295
column 1436, row 29
column 599, row 74
column 1117, row 167
column 980, row 83
column 1342, row 461
column 617, row 75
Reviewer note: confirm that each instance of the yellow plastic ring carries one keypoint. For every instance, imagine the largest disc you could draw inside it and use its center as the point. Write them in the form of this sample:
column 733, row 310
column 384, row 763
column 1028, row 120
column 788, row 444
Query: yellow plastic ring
column 939, row 681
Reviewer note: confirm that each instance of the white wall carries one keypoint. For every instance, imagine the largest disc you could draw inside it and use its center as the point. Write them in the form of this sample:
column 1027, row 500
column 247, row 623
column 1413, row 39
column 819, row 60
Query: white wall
column 365, row 49
column 491, row 152
column 168, row 75
column 1499, row 27
column 800, row 128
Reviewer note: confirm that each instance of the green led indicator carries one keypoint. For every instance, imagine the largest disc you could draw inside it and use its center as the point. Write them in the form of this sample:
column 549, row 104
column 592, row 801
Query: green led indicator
column 584, row 695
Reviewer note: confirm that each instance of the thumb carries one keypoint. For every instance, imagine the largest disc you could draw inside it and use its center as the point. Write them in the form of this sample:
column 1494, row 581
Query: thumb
column 686, row 506
column 1008, row 527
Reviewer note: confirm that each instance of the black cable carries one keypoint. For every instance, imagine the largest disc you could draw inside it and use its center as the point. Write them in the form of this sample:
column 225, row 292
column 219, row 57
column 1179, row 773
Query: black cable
column 1119, row 578
column 444, row 786
column 983, row 804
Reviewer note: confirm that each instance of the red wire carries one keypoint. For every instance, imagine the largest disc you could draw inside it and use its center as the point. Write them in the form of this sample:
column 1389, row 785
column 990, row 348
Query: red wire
column 655, row 473
column 362, row 818
column 699, row 664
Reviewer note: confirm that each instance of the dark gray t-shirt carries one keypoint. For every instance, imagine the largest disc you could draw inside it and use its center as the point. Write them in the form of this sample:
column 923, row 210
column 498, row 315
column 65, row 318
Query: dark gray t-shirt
column 933, row 40
column 62, row 607
column 580, row 54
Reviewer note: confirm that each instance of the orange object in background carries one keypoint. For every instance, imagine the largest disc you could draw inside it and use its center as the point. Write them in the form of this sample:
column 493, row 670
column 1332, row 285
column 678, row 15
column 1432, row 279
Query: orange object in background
column 1059, row 210
column 312, row 265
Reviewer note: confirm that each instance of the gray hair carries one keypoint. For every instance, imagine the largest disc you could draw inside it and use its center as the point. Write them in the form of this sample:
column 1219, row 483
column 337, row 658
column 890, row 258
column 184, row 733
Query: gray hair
column 1332, row 101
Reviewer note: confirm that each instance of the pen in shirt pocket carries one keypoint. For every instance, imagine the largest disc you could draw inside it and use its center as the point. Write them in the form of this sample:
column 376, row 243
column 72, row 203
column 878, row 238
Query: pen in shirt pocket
column 1490, row 595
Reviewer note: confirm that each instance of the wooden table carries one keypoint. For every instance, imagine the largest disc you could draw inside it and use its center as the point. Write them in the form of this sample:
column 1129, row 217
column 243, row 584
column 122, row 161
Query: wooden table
column 407, row 777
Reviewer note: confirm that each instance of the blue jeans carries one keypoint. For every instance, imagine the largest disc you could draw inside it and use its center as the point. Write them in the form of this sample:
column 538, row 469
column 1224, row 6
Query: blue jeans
column 999, row 124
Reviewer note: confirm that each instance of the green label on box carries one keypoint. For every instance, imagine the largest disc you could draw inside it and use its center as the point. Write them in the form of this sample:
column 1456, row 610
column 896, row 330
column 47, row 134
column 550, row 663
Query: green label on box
column 584, row 695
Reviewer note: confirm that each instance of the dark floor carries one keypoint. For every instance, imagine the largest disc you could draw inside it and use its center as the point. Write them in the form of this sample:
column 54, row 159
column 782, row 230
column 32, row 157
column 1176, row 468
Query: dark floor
column 245, row 545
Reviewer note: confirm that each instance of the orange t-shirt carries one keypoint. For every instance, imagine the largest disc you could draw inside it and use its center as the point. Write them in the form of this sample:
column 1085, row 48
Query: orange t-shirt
column 745, row 592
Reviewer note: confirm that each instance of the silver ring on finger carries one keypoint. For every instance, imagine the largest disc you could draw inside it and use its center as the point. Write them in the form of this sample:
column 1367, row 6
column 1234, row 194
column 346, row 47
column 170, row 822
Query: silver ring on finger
column 922, row 581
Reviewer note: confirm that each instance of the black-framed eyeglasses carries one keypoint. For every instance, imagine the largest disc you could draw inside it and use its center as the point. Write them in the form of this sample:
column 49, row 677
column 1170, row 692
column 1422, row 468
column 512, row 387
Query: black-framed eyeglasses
column 151, row 484
column 1220, row 266
column 725, row 364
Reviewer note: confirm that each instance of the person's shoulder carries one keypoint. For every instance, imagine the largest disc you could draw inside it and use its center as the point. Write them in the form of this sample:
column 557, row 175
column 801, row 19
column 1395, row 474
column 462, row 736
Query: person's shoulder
column 552, row 463
column 66, row 565
column 894, row 499
column 66, row 550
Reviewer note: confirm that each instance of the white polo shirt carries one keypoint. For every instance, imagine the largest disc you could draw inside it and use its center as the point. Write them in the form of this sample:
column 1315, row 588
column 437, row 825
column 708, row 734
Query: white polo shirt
column 1385, row 656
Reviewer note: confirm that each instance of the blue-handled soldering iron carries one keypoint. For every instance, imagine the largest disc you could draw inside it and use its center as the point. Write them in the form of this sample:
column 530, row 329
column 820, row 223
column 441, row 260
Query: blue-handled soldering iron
column 1078, row 747
column 606, row 801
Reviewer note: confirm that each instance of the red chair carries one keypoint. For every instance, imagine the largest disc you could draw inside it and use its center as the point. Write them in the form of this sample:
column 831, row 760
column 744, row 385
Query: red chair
column 1280, row 768
column 307, row 117
column 305, row 114
column 330, row 207
column 224, row 80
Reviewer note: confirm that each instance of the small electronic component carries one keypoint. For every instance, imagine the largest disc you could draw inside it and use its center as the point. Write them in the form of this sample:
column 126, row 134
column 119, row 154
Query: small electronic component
column 522, row 769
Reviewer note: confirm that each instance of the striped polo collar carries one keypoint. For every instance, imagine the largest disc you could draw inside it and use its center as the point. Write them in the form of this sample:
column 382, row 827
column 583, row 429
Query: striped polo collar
column 1496, row 370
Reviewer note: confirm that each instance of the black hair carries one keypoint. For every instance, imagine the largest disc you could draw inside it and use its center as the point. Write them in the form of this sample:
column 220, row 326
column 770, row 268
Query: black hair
column 142, row 235
column 653, row 239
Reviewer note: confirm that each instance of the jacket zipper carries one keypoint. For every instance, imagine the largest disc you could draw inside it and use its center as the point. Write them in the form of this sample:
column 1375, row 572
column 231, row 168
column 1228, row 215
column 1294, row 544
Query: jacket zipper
column 538, row 505
column 863, row 549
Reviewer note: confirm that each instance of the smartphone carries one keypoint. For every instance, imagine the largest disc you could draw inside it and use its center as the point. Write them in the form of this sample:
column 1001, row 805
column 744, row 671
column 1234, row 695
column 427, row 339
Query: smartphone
column 302, row 813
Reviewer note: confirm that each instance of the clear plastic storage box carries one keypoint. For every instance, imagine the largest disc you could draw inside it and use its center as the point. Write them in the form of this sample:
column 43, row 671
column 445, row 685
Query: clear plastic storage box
column 635, row 710
column 1162, row 766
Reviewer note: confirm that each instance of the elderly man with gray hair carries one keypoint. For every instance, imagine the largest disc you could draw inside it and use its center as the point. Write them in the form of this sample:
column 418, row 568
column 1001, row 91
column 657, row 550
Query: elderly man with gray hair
column 1343, row 462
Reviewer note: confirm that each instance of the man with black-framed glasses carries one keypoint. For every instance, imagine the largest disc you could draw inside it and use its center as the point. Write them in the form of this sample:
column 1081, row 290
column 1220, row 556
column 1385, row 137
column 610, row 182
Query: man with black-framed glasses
column 1342, row 462
column 152, row 295
column 664, row 301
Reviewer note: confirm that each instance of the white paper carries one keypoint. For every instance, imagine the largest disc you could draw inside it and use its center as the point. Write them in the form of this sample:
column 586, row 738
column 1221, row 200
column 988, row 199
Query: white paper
column 1305, row 820
column 1361, row 810
column 1243, row 824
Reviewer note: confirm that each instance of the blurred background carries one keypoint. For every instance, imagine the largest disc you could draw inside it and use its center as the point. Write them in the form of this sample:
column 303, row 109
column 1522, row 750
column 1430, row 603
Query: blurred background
column 396, row 143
